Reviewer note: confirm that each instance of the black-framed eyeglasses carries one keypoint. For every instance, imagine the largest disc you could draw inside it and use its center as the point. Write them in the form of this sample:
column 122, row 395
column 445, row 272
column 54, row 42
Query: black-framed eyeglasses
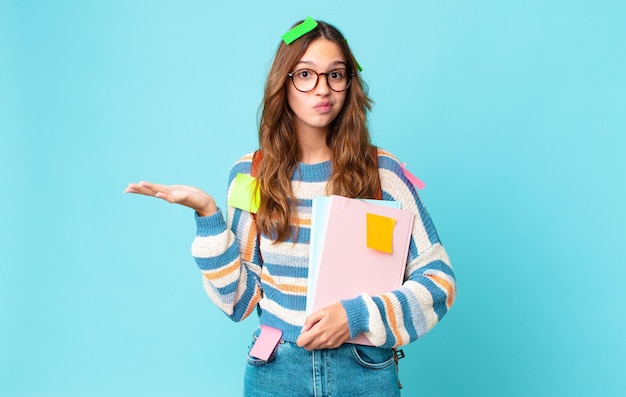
column 306, row 80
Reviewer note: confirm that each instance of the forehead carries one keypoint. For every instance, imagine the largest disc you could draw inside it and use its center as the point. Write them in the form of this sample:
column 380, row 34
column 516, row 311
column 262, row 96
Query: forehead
column 323, row 52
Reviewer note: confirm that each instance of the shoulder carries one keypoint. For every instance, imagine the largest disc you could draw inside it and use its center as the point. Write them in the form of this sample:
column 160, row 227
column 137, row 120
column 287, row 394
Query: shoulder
column 243, row 165
column 388, row 162
column 393, row 181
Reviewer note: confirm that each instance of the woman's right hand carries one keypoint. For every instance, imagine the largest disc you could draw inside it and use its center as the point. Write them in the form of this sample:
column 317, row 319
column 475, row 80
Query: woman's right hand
column 188, row 196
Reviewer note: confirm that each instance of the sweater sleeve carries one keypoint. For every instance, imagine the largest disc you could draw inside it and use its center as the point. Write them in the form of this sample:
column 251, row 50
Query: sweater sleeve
column 402, row 316
column 227, row 253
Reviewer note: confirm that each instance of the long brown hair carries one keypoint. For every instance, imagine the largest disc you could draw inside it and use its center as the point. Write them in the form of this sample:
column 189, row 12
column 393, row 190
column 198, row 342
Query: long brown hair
column 354, row 169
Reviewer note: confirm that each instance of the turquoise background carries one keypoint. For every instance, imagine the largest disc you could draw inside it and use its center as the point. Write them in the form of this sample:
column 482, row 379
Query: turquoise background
column 512, row 112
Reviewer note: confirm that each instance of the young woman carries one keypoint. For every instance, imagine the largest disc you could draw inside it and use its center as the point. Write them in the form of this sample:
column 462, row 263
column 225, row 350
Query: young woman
column 314, row 142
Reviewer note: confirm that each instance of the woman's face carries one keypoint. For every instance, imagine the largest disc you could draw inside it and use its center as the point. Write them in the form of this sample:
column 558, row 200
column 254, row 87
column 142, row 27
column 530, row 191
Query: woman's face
column 316, row 109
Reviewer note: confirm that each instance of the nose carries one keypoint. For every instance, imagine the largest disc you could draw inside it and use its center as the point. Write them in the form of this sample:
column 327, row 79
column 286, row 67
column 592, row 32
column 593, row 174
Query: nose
column 322, row 88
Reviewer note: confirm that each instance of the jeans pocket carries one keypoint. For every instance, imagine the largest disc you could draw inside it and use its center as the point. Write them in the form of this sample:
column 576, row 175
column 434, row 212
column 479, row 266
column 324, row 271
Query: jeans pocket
column 372, row 357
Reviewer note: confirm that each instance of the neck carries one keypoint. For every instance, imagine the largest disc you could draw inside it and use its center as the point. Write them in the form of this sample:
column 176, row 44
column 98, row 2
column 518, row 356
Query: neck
column 313, row 148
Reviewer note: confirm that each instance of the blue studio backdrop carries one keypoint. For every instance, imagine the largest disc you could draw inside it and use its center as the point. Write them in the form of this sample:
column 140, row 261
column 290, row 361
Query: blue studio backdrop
column 512, row 112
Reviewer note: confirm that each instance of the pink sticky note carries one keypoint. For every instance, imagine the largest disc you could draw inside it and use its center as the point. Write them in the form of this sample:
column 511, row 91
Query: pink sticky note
column 412, row 178
column 266, row 342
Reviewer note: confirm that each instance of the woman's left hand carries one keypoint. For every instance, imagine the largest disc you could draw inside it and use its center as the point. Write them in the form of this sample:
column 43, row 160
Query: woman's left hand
column 327, row 328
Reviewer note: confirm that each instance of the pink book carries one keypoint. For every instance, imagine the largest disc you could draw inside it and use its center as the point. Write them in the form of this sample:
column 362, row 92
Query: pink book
column 346, row 266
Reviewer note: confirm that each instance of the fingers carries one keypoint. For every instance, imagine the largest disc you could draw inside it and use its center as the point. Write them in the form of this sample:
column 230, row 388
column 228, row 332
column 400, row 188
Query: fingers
column 319, row 339
column 312, row 320
column 304, row 340
column 135, row 188
column 155, row 187
column 148, row 189
column 325, row 329
column 312, row 339
column 307, row 337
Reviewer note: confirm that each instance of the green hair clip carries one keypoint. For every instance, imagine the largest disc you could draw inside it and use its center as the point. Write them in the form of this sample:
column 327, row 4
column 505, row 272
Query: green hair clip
column 303, row 28
column 299, row 30
column 357, row 62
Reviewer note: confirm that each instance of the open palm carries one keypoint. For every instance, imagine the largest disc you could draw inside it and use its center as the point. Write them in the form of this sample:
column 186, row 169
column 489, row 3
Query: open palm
column 189, row 196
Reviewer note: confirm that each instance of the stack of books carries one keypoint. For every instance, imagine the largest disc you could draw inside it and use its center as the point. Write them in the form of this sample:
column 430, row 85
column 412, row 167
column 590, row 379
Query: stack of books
column 357, row 246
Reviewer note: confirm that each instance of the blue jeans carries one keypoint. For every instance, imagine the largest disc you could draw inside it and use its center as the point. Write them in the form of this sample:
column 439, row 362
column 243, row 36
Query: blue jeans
column 350, row 370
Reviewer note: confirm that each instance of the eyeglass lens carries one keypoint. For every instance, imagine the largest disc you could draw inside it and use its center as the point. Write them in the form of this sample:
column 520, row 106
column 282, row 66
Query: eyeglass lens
column 306, row 79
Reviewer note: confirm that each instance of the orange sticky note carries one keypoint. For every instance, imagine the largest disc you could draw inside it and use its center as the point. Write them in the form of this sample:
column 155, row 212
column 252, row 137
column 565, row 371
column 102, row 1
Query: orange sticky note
column 380, row 232
column 244, row 194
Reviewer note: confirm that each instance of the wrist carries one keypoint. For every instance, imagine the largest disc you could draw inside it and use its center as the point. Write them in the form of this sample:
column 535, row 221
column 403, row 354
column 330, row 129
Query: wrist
column 207, row 211
column 358, row 316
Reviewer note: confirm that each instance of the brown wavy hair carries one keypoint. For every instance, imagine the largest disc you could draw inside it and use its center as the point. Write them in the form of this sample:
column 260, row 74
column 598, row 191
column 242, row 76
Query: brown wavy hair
column 354, row 165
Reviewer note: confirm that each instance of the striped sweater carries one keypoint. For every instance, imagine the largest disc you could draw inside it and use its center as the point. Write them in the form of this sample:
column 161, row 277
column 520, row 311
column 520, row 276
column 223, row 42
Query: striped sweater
column 240, row 271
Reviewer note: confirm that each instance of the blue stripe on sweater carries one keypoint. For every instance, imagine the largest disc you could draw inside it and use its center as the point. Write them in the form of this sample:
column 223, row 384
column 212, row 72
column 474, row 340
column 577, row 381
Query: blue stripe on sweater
column 288, row 301
column 305, row 204
column 438, row 265
column 287, row 271
column 428, row 223
column 240, row 309
column 312, row 172
column 290, row 331
column 245, row 167
column 439, row 296
column 231, row 255
column 227, row 292
column 296, row 263
column 235, row 222
column 408, row 316
column 304, row 235
column 210, row 226
column 387, row 163
column 419, row 322
column 390, row 338
column 412, row 250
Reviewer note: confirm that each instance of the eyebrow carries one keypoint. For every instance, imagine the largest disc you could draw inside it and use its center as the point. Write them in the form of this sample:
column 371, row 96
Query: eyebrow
column 331, row 65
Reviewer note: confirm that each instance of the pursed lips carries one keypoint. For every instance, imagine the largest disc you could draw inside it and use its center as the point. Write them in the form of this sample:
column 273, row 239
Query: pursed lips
column 323, row 106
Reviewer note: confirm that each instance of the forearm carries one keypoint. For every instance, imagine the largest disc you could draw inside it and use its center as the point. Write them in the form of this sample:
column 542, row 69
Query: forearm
column 229, row 279
column 406, row 314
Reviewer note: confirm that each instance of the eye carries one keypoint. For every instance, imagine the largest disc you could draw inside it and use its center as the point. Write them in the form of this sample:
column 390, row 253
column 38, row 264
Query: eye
column 304, row 74
column 337, row 74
